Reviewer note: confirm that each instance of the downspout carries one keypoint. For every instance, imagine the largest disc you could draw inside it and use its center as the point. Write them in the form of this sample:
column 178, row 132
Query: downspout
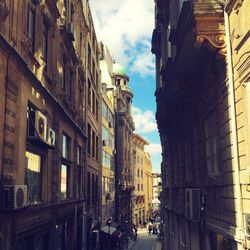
column 237, row 188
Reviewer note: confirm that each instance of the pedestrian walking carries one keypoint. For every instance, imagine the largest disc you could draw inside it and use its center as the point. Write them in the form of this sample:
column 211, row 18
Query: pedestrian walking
column 149, row 228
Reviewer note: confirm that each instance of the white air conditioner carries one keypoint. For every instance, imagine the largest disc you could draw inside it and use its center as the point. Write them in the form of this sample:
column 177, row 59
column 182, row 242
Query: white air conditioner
column 14, row 197
column 114, row 151
column 70, row 30
column 37, row 125
column 192, row 204
column 51, row 137
column 110, row 125
column 104, row 142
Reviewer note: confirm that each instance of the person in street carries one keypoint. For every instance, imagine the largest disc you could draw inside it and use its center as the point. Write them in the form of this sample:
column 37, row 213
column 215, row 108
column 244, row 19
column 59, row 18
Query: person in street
column 149, row 228
column 135, row 233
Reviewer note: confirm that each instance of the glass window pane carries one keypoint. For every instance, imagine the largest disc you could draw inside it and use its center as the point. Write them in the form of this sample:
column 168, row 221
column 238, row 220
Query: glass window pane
column 33, row 176
column 64, row 169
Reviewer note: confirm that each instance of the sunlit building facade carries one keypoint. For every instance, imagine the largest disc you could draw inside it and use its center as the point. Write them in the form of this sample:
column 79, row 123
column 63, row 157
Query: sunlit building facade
column 46, row 73
column 124, row 127
column 108, row 135
column 148, row 184
column 139, row 208
column 202, row 95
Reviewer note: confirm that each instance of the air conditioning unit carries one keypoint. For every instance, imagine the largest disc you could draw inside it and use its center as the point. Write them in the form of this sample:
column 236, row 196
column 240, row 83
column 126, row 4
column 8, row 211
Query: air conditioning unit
column 114, row 151
column 70, row 30
column 110, row 125
column 192, row 204
column 104, row 142
column 37, row 125
column 51, row 137
column 14, row 197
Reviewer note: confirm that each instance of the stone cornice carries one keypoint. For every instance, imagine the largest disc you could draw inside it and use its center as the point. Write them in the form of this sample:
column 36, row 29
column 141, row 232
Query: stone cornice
column 209, row 27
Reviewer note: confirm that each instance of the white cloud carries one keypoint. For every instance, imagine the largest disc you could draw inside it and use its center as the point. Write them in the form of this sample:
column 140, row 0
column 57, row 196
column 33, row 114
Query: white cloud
column 153, row 149
column 126, row 28
column 144, row 121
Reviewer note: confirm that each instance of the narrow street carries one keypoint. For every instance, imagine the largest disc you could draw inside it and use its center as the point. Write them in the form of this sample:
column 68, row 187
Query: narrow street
column 146, row 242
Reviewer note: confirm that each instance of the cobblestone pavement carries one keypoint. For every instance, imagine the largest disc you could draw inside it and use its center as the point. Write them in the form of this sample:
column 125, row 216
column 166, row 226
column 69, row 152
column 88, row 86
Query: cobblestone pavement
column 145, row 242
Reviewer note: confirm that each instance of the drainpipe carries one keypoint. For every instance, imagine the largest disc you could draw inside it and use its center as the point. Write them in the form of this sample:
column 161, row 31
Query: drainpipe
column 237, row 189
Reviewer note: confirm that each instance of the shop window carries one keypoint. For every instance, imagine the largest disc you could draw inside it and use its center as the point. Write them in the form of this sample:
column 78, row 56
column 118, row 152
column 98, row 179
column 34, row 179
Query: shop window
column 33, row 176
column 38, row 240
column 63, row 236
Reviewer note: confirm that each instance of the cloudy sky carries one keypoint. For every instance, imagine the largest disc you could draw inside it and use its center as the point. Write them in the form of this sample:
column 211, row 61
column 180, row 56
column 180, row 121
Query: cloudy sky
column 126, row 28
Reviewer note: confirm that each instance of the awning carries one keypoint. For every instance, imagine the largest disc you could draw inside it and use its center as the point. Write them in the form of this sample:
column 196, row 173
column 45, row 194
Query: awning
column 108, row 230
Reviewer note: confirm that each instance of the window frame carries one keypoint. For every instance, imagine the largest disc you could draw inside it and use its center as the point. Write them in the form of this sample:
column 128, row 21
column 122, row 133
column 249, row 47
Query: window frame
column 34, row 152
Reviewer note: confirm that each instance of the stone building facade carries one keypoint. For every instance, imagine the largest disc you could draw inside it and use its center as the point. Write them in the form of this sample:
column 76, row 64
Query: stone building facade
column 202, row 78
column 46, row 74
column 139, row 208
column 94, row 122
column 108, row 134
column 124, row 149
column 148, row 184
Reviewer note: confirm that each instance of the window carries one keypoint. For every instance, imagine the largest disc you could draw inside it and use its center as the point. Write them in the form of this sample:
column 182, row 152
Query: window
column 138, row 187
column 138, row 172
column 45, row 42
column 141, row 187
column 93, row 144
column 71, row 84
column 88, row 189
column 63, row 236
column 96, row 148
column 89, row 57
column 96, row 189
column 81, row 37
column 79, row 181
column 96, row 109
column 79, row 155
column 108, row 137
column 188, row 159
column 89, row 93
column 141, row 173
column 38, row 240
column 89, row 139
column 93, row 102
column 64, row 181
column 211, row 145
column 118, row 82
column 63, row 74
column 31, row 26
column 72, row 12
column 93, row 189
column 65, row 146
column 33, row 176
column 107, row 160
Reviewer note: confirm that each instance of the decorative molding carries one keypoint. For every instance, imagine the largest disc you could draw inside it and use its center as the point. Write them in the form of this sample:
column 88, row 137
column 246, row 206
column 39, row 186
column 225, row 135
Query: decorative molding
column 210, row 27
